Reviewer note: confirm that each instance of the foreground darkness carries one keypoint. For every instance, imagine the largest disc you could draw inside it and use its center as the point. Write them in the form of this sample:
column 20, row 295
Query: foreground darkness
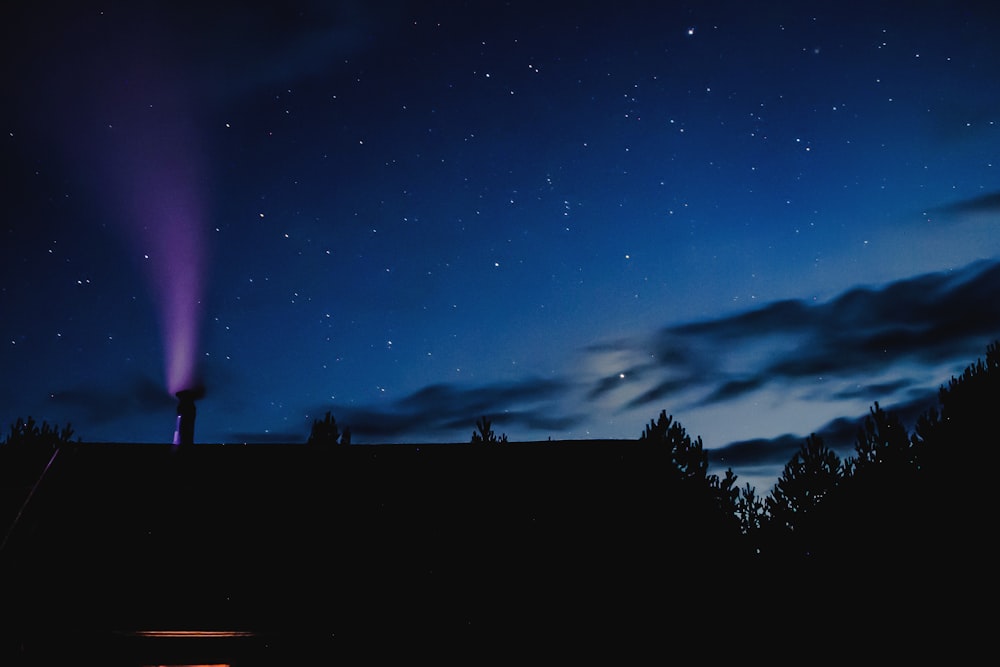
column 308, row 548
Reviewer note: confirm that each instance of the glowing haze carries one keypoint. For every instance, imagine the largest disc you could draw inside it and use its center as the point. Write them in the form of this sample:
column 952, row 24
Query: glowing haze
column 124, row 115
column 159, row 179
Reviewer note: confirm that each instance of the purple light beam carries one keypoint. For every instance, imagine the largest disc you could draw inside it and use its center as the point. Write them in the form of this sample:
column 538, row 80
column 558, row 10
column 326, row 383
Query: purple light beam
column 159, row 180
column 119, row 93
column 167, row 217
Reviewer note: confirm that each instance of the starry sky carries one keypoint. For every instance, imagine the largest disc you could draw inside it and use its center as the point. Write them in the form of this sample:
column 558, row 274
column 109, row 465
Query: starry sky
column 758, row 217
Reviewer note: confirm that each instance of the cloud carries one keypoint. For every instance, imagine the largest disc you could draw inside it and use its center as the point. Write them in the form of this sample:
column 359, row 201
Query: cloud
column 663, row 390
column 925, row 320
column 100, row 405
column 757, row 452
column 735, row 389
column 875, row 390
column 988, row 203
column 240, row 48
column 441, row 409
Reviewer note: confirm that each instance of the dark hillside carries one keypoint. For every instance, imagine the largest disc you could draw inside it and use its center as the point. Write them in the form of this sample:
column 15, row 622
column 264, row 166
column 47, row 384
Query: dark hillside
column 442, row 539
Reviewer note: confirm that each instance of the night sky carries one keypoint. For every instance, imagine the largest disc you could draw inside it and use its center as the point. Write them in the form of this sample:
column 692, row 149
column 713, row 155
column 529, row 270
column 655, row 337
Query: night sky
column 759, row 217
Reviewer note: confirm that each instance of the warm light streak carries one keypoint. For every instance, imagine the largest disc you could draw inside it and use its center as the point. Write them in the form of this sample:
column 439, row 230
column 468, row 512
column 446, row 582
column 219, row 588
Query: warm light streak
column 193, row 633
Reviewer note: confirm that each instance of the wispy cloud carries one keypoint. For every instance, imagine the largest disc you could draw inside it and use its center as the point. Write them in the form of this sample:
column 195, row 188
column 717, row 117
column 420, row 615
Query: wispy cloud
column 924, row 320
column 441, row 409
column 103, row 404
column 988, row 203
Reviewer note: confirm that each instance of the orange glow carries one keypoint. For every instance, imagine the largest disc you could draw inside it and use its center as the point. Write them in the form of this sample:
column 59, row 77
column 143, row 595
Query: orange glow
column 187, row 634
column 193, row 633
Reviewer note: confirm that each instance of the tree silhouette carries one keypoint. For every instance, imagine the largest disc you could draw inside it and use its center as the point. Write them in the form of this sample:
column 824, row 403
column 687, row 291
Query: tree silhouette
column 688, row 456
column 709, row 503
column 726, row 496
column 812, row 474
column 950, row 440
column 797, row 505
column 484, row 432
column 876, row 511
column 902, row 504
column 881, row 442
column 726, row 492
column 326, row 432
column 751, row 511
column 690, row 461
column 968, row 411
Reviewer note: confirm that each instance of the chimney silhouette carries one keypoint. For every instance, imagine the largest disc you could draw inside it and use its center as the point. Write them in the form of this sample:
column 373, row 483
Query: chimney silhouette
column 184, row 431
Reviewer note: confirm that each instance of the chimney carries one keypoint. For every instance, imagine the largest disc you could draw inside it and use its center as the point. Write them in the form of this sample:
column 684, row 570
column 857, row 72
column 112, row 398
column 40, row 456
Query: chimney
column 184, row 431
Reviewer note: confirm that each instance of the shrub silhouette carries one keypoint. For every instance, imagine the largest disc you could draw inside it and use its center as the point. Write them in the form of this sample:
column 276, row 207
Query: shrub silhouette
column 326, row 432
column 484, row 432
column 30, row 433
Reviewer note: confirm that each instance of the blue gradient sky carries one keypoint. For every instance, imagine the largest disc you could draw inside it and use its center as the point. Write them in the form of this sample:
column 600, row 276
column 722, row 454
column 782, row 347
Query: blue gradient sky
column 759, row 217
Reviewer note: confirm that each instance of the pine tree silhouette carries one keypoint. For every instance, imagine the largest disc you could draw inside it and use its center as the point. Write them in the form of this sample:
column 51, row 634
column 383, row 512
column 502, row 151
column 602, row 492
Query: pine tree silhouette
column 807, row 480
